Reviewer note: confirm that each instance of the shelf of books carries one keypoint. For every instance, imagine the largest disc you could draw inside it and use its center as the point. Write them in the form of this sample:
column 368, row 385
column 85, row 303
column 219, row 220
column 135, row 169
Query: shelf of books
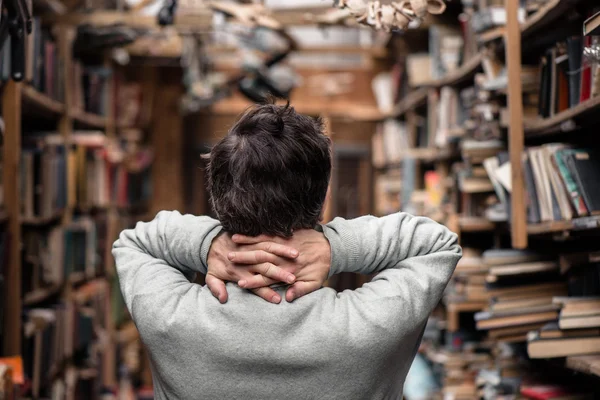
column 79, row 184
column 523, row 305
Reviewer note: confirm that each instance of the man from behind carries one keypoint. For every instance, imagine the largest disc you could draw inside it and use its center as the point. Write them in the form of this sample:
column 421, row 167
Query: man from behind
column 268, row 181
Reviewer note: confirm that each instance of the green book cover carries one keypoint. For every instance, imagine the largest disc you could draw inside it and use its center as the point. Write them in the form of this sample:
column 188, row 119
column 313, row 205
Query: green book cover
column 569, row 181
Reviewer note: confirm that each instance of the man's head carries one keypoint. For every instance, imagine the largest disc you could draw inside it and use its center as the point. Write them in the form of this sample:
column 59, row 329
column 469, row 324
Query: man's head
column 270, row 174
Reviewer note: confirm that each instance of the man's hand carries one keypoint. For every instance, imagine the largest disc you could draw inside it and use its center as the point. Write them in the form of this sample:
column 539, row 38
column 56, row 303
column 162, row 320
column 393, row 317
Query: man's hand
column 311, row 267
column 263, row 257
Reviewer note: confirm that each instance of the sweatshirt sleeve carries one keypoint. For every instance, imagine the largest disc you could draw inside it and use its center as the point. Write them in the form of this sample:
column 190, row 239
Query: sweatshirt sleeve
column 163, row 253
column 413, row 257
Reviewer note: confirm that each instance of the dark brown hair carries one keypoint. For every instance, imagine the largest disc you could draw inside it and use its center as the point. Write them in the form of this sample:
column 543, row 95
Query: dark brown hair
column 270, row 174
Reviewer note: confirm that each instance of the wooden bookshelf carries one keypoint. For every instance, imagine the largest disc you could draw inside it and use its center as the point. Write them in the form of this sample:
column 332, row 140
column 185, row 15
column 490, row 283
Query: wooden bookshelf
column 463, row 74
column 412, row 100
column 546, row 14
column 127, row 333
column 40, row 295
column 586, row 364
column 41, row 221
column 549, row 227
column 39, row 103
column 3, row 216
column 577, row 224
column 475, row 224
column 564, row 121
column 89, row 120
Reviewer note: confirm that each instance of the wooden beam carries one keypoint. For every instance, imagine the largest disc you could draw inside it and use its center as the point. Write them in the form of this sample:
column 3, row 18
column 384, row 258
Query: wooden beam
column 167, row 140
column 516, row 134
column 11, row 111
column 199, row 21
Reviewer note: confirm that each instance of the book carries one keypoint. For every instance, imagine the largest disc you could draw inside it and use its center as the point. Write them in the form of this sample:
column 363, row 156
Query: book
column 591, row 26
column 553, row 331
column 43, row 175
column 561, row 347
column 585, row 167
column 515, row 320
column 552, row 392
column 524, row 268
column 575, row 52
column 577, row 322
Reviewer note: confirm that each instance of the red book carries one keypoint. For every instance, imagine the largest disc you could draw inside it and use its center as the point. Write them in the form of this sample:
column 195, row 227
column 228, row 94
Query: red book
column 586, row 76
column 49, row 50
column 551, row 392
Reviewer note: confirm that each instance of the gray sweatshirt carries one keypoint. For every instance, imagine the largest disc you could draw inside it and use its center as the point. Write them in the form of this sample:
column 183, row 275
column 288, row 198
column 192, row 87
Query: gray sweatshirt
column 358, row 344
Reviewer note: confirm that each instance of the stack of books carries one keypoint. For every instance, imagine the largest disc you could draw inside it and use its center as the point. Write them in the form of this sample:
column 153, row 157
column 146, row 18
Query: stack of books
column 560, row 181
column 69, row 251
column 42, row 65
column 91, row 87
column 66, row 332
column 521, row 285
column 43, row 175
column 567, row 78
column 468, row 282
column 106, row 174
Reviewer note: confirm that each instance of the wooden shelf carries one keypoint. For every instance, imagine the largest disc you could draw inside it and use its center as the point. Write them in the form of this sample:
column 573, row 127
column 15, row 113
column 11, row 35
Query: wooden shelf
column 40, row 295
column 475, row 224
column 89, row 119
column 563, row 121
column 414, row 99
column 41, row 221
column 467, row 306
column 127, row 333
column 577, row 224
column 35, row 102
column 587, row 364
column 547, row 14
column 465, row 72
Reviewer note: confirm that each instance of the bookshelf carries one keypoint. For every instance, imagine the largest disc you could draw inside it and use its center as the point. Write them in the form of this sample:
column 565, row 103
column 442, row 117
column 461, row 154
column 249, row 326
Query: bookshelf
column 28, row 288
column 475, row 295
column 564, row 121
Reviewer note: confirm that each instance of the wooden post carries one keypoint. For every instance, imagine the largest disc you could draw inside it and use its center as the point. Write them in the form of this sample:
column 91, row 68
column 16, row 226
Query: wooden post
column 109, row 351
column 168, row 175
column 329, row 206
column 11, row 111
column 516, row 134
column 65, row 124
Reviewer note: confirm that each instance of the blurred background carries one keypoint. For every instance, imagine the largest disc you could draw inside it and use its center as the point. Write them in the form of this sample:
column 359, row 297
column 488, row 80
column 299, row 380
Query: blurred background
column 476, row 113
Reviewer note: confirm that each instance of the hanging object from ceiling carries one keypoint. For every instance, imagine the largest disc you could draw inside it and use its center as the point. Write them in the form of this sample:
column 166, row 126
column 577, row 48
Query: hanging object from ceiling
column 391, row 16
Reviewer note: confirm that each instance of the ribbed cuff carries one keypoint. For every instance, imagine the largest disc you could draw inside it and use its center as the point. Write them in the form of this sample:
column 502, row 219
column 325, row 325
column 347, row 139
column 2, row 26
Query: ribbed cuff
column 205, row 247
column 344, row 249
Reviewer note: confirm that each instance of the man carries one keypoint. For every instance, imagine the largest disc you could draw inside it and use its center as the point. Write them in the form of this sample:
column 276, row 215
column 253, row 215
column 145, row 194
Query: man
column 268, row 180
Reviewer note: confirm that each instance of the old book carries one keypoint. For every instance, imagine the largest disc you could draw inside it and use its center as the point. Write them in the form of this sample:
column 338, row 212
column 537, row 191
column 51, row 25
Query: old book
column 418, row 67
column 575, row 51
column 557, row 185
column 552, row 331
column 591, row 26
column 585, row 167
column 509, row 256
column 562, row 347
column 533, row 210
column 580, row 309
column 520, row 303
column 552, row 392
column 564, row 300
column 529, row 290
column 588, row 321
column 524, row 268
column 515, row 320
column 542, row 186
column 514, row 330
column 560, row 159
